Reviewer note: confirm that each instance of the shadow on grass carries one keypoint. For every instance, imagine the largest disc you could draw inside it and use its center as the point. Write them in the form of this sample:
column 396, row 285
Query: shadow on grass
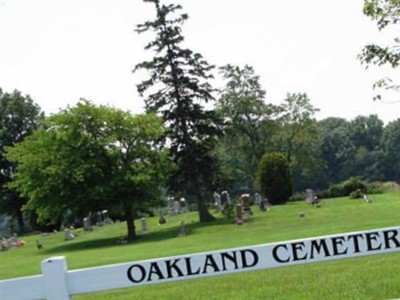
column 77, row 245
column 163, row 234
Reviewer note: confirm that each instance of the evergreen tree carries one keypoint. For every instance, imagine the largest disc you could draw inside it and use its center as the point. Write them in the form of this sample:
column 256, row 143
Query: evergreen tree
column 176, row 89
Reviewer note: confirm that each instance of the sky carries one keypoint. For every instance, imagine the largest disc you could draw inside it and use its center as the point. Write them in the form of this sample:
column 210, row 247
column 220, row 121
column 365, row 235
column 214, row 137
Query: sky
column 61, row 51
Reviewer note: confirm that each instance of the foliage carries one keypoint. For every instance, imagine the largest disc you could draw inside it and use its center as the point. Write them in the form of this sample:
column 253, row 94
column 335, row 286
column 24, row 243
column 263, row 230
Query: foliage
column 360, row 147
column 345, row 188
column 274, row 178
column 385, row 13
column 391, row 145
column 298, row 138
column 337, row 151
column 249, row 122
column 228, row 211
column 357, row 194
column 88, row 158
column 176, row 89
column 19, row 117
column 366, row 135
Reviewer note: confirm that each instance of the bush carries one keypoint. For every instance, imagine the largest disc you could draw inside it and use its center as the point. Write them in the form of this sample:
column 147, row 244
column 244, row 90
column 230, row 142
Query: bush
column 375, row 187
column 357, row 194
column 345, row 188
column 228, row 211
column 274, row 179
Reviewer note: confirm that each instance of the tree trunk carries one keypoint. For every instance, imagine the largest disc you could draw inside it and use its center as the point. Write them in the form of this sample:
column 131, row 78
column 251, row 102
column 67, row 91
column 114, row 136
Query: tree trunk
column 21, row 222
column 204, row 214
column 130, row 223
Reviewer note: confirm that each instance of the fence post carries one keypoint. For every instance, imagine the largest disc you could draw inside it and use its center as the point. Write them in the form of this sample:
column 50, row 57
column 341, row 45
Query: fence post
column 54, row 272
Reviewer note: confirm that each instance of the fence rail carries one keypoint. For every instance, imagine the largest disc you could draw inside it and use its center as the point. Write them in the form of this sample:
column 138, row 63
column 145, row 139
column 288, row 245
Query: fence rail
column 57, row 283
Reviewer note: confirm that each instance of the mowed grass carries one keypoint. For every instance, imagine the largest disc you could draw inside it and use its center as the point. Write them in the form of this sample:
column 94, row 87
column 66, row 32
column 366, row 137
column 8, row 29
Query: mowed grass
column 370, row 277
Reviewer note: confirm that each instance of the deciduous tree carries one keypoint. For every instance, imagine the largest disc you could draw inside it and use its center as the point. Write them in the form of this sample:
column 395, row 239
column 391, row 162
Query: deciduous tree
column 249, row 121
column 298, row 137
column 89, row 158
column 386, row 13
column 391, row 148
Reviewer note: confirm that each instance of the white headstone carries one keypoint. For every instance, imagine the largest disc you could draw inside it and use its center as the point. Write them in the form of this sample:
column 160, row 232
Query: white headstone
column 144, row 224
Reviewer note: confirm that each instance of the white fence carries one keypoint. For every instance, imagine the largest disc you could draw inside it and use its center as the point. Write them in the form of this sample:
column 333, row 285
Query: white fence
column 57, row 283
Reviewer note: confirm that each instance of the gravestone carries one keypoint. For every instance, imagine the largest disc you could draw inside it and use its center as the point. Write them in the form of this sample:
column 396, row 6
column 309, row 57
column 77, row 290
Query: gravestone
column 99, row 219
column 183, row 205
column 239, row 214
column 143, row 222
column 161, row 220
column 217, row 202
column 177, row 207
column 257, row 199
column 263, row 204
column 245, row 200
column 106, row 219
column 182, row 228
column 225, row 198
column 68, row 234
column 87, row 225
column 367, row 199
column 311, row 198
column 171, row 206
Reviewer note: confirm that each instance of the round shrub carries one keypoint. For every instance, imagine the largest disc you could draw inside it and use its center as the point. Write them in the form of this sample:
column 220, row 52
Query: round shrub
column 274, row 178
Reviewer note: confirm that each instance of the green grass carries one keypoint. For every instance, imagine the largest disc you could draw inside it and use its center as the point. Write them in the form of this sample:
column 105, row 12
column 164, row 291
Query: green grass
column 371, row 277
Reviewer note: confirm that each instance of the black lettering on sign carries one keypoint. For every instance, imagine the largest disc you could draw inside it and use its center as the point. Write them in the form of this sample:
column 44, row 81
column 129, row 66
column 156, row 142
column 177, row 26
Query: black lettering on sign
column 245, row 262
column 336, row 242
column 317, row 246
column 372, row 236
column 136, row 270
column 231, row 257
column 297, row 249
column 189, row 267
column 355, row 238
column 390, row 235
column 155, row 269
column 210, row 262
column 276, row 256
column 171, row 265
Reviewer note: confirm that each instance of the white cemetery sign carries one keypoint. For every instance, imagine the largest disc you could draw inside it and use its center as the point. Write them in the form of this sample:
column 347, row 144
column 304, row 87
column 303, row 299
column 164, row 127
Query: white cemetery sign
column 56, row 283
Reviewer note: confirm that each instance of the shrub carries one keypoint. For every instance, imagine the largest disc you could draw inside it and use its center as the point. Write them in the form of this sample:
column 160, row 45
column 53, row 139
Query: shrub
column 375, row 187
column 274, row 179
column 345, row 188
column 357, row 194
column 228, row 211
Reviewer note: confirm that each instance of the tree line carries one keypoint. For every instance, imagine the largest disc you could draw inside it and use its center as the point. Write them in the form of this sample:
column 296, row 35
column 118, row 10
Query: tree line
column 87, row 157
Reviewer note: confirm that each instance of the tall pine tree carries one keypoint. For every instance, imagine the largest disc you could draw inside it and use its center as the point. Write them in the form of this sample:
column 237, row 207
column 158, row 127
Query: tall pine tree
column 177, row 89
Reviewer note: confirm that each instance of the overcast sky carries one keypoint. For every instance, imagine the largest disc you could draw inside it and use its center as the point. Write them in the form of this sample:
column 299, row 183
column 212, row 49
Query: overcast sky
column 60, row 51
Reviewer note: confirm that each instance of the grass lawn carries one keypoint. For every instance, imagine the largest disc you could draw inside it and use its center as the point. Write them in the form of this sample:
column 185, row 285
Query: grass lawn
column 370, row 277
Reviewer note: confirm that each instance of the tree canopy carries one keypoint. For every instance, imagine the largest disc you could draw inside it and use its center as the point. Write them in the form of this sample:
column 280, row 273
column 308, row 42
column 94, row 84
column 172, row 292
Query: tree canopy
column 19, row 117
column 89, row 158
column 386, row 13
